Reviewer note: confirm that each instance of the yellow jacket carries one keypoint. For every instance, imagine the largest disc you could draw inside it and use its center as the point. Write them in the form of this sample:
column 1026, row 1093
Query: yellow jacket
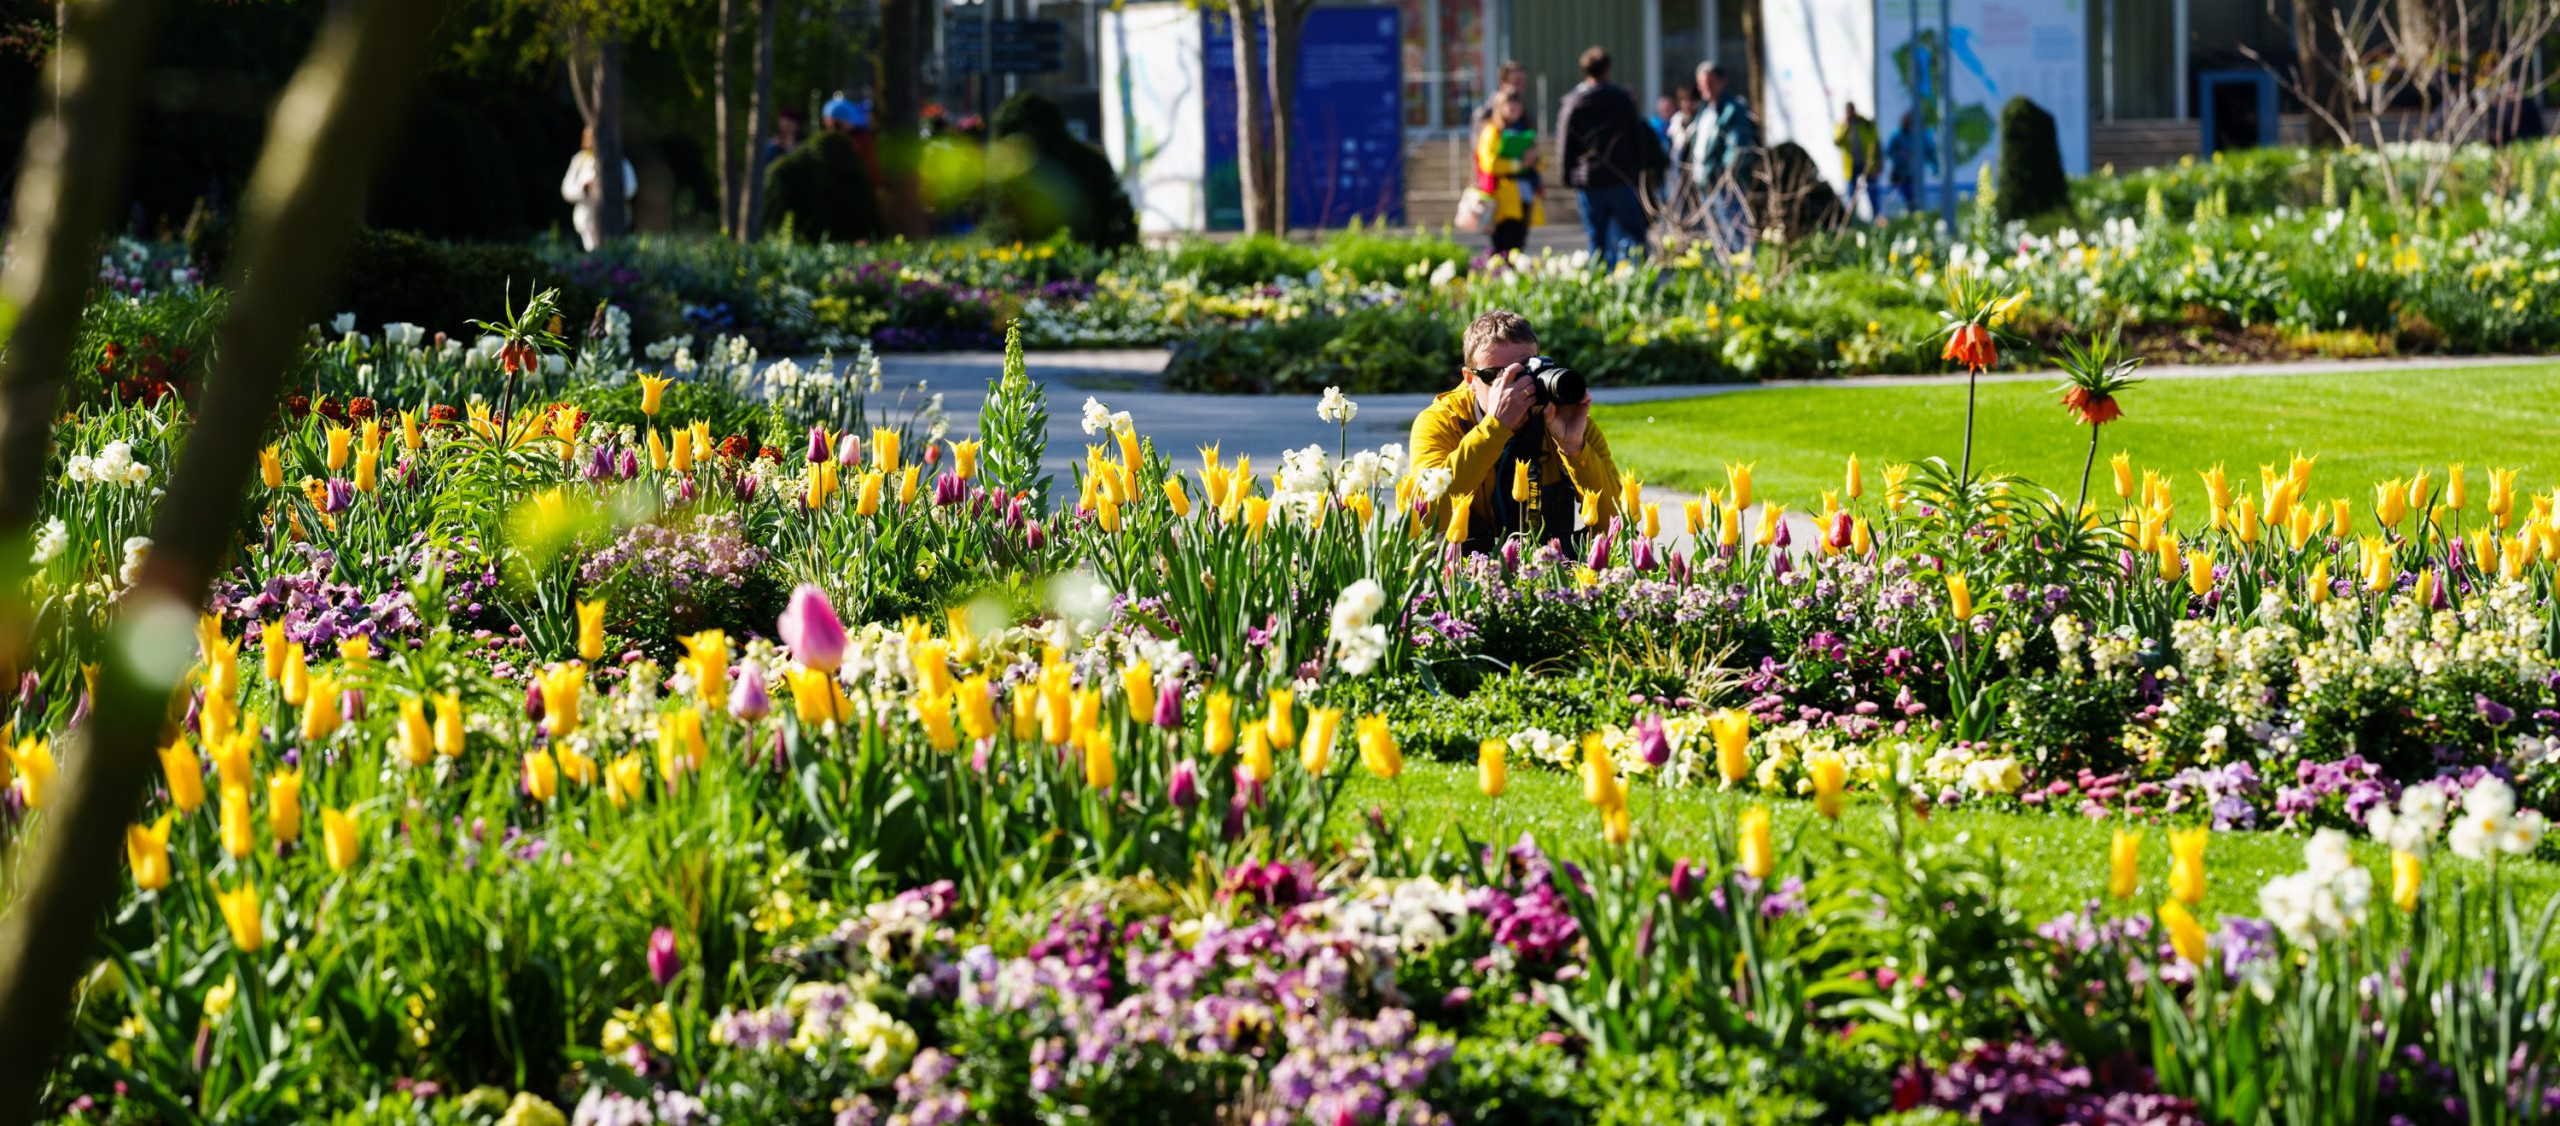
column 1502, row 179
column 1453, row 434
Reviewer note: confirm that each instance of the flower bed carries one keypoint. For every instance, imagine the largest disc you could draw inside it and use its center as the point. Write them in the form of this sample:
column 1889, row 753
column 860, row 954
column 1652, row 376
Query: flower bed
column 531, row 771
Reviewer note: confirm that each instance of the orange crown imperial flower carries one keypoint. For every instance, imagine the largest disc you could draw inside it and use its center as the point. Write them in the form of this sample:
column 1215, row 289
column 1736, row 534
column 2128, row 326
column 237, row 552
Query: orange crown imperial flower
column 1971, row 346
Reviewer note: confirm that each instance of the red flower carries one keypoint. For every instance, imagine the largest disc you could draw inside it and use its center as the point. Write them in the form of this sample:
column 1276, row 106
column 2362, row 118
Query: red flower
column 735, row 446
column 444, row 414
column 2092, row 408
column 361, row 408
column 1971, row 346
column 299, row 406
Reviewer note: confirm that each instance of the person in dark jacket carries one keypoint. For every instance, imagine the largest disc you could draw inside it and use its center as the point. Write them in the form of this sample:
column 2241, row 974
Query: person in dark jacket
column 1608, row 152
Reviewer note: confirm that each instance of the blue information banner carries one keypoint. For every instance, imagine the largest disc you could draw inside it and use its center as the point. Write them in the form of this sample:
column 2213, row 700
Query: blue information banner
column 1346, row 142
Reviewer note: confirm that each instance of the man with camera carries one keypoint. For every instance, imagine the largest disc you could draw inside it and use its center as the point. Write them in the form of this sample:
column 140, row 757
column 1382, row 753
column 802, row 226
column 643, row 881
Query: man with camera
column 1516, row 434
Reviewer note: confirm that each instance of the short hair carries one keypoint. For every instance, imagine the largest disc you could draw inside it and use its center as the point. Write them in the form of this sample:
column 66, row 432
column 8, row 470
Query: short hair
column 1595, row 63
column 1501, row 326
column 1707, row 70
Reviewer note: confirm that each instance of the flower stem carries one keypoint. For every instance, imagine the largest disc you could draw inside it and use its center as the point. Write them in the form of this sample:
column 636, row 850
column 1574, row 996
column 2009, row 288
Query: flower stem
column 2085, row 466
column 1972, row 382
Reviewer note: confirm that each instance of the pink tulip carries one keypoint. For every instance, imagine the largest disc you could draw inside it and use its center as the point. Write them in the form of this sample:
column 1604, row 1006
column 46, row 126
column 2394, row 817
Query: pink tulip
column 663, row 962
column 812, row 630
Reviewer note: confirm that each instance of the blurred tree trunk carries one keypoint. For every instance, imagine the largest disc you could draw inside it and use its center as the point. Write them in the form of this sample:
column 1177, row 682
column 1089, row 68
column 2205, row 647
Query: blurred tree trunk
column 74, row 164
column 2316, row 61
column 721, row 142
column 1253, row 124
column 331, row 126
column 759, row 121
column 901, row 112
column 613, row 219
column 1282, row 21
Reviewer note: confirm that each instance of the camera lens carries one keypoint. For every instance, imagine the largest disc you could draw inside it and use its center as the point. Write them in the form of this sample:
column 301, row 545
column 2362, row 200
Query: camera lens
column 1555, row 382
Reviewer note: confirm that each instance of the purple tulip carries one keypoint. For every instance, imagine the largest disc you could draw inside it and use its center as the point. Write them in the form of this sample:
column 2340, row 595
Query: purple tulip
column 663, row 962
column 533, row 700
column 746, row 487
column 1778, row 561
column 628, row 466
column 351, row 705
column 1679, row 568
column 1652, row 744
column 812, row 630
column 31, row 699
column 339, row 496
column 684, row 490
column 1169, row 707
column 1511, row 557
column 748, row 699
column 1035, row 536
column 1684, row 879
column 848, row 451
column 1600, row 549
column 1642, row 556
column 949, row 490
column 1184, row 790
column 195, row 709
column 1783, row 537
column 2497, row 714
column 599, row 464
column 818, row 447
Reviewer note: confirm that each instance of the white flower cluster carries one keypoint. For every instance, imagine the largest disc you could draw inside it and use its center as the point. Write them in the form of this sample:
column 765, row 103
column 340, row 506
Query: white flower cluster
column 2492, row 824
column 1303, row 481
column 1099, row 419
column 343, row 323
column 1538, row 744
column 1368, row 470
column 2325, row 900
column 136, row 550
column 2001, row 775
column 402, row 334
column 1416, row 915
column 113, row 465
column 1359, row 640
column 2411, row 828
column 1336, row 408
column 50, row 541
column 1433, row 483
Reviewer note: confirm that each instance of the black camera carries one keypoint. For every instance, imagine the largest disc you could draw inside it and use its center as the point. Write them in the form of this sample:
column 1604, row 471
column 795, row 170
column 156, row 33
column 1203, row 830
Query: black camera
column 1552, row 383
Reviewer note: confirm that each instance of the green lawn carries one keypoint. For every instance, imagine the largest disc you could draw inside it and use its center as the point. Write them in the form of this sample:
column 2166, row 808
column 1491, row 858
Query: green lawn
column 2365, row 426
column 2058, row 860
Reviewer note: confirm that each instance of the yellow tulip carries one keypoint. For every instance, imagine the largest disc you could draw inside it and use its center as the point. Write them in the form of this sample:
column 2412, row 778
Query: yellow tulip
column 239, row 834
column 2186, row 936
column 185, row 774
column 653, row 393
column 1770, row 514
column 2217, row 487
column 2186, row 865
column 1520, row 481
column 1960, row 596
column 2173, row 564
column 295, row 683
column 1600, row 785
column 707, row 658
column 146, row 848
column 1461, row 516
column 2124, row 863
column 284, row 805
column 2423, row 596
column 1729, row 530
column 1255, row 761
column 1315, row 748
column 271, row 467
column 1630, row 492
column 339, row 841
column 2502, row 494
column 1855, row 485
column 1492, row 775
column 320, row 710
column 1281, row 724
column 355, row 650
column 2200, row 572
column 231, row 758
column 339, row 436
column 541, row 776
column 1101, row 768
column 240, row 912
column 977, row 708
column 1732, row 730
column 1378, row 752
column 813, row 695
column 2391, row 502
column 1617, row 826
column 450, row 724
column 2122, row 465
column 591, row 629
column 368, row 471
column 625, row 781
column 1218, row 732
column 1175, row 497
column 1138, row 689
column 866, row 496
column 680, row 457
column 1830, row 775
column 2406, row 871
column 908, row 479
column 575, row 765
column 1759, row 855
column 1738, row 478
column 2456, row 496
column 934, row 713
column 412, row 439
column 1652, row 521
column 562, row 685
column 964, row 460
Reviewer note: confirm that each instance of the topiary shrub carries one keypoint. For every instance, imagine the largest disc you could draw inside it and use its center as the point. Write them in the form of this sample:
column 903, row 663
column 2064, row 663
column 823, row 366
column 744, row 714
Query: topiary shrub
column 1794, row 197
column 1041, row 180
column 823, row 192
column 2030, row 181
column 397, row 276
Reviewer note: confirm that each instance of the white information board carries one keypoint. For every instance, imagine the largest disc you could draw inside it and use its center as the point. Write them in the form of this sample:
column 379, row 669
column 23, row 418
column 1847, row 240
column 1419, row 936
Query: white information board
column 1154, row 111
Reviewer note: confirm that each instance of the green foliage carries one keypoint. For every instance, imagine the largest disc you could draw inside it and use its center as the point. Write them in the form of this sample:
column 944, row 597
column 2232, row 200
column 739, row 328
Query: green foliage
column 821, row 191
column 1042, row 180
column 1448, row 726
column 1013, row 424
column 2030, row 178
column 392, row 276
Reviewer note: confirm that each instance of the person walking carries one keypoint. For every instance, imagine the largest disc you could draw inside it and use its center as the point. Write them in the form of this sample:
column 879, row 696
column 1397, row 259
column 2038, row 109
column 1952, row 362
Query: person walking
column 1507, row 170
column 583, row 190
column 1608, row 151
column 1856, row 138
column 1724, row 147
column 1909, row 157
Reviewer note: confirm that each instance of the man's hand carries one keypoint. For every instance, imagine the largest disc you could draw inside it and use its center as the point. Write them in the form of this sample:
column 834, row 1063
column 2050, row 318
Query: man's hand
column 1512, row 398
column 1569, row 422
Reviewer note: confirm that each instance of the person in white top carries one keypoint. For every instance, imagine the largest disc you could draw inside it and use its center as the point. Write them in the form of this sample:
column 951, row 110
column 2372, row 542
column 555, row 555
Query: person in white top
column 584, row 191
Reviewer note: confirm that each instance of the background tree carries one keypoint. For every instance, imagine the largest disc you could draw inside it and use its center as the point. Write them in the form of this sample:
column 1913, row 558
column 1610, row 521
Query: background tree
column 332, row 125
